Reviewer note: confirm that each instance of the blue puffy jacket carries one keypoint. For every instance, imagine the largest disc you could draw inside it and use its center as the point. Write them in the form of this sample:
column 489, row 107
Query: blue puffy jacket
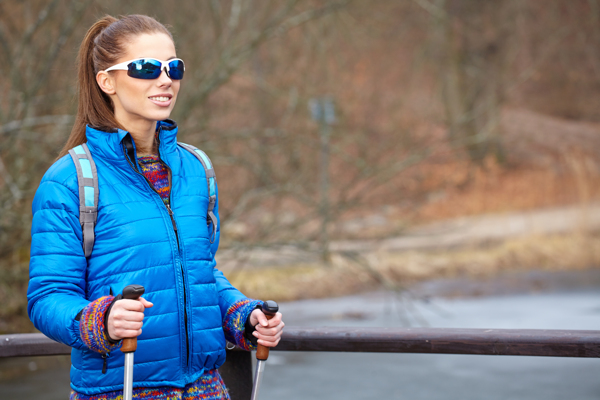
column 136, row 243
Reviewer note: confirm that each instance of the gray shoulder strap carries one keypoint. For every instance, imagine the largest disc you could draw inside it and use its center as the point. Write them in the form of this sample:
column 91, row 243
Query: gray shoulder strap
column 87, row 178
column 210, row 181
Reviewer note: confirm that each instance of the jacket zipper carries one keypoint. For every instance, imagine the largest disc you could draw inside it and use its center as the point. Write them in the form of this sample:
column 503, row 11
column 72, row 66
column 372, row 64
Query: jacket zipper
column 104, row 362
column 172, row 216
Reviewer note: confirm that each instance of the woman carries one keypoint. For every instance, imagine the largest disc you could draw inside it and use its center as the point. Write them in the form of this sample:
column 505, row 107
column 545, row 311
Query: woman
column 151, row 229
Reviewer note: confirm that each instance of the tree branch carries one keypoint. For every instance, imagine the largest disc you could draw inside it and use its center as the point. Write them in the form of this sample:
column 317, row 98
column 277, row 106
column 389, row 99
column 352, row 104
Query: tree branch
column 232, row 58
column 16, row 125
column 14, row 189
column 66, row 31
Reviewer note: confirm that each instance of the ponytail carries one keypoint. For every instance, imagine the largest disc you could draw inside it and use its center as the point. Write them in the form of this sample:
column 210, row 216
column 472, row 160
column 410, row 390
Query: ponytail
column 102, row 46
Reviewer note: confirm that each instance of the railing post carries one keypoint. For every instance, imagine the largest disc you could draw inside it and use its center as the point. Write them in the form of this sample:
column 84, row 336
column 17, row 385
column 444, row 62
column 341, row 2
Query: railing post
column 237, row 374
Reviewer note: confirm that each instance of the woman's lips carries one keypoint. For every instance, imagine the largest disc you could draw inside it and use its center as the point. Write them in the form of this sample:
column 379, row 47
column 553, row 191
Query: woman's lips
column 161, row 100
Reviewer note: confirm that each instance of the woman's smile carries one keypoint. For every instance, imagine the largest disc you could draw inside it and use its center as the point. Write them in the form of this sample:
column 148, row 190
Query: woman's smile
column 161, row 100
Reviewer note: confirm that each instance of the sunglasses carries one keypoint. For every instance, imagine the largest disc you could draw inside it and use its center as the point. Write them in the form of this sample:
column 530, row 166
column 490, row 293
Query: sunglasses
column 151, row 68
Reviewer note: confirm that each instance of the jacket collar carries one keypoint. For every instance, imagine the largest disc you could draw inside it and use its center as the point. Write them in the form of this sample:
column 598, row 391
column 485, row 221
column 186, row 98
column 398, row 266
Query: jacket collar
column 108, row 143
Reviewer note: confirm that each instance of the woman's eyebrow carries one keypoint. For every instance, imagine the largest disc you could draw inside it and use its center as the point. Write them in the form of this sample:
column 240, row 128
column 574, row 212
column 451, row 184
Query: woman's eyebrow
column 171, row 58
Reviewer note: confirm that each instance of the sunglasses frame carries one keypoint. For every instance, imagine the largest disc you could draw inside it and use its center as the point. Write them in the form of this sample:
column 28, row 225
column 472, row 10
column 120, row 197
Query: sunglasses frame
column 124, row 66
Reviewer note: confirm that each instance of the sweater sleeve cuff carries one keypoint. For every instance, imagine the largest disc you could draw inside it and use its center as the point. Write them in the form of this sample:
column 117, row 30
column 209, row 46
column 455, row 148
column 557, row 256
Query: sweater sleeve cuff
column 235, row 321
column 91, row 326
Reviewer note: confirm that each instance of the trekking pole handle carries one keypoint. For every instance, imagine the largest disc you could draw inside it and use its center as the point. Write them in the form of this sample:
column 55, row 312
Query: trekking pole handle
column 269, row 308
column 131, row 292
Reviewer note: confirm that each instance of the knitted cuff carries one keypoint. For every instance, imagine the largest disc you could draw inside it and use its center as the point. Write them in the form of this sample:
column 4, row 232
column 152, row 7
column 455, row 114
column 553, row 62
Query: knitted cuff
column 249, row 330
column 111, row 341
column 91, row 326
column 235, row 321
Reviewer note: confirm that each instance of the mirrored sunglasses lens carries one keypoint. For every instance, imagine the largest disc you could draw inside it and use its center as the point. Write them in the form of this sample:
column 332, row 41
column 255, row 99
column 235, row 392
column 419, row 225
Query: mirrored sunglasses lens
column 176, row 69
column 144, row 69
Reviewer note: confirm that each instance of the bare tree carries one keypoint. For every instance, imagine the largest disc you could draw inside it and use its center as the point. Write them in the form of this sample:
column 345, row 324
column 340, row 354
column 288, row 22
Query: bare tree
column 475, row 43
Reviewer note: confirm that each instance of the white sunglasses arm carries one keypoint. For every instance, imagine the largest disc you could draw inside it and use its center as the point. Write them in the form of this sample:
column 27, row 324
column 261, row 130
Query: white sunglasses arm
column 121, row 66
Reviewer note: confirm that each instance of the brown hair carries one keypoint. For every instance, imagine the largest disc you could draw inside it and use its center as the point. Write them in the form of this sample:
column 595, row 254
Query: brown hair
column 103, row 45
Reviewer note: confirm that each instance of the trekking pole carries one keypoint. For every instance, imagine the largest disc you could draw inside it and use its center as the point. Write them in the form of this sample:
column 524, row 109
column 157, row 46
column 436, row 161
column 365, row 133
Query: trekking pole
column 269, row 308
column 131, row 292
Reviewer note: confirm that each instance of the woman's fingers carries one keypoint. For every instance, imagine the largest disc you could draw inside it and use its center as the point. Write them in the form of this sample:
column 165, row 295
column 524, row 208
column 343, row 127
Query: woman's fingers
column 122, row 314
column 269, row 337
column 145, row 302
column 275, row 321
column 130, row 305
column 267, row 333
column 270, row 331
column 268, row 341
column 126, row 318
column 121, row 330
column 258, row 318
column 128, row 325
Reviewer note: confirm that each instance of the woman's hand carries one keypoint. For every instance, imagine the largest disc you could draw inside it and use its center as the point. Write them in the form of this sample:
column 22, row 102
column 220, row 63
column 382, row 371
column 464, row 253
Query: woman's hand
column 268, row 331
column 125, row 318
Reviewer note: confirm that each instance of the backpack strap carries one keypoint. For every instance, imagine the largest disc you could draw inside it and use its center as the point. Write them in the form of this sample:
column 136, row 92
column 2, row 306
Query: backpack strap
column 87, row 179
column 210, row 181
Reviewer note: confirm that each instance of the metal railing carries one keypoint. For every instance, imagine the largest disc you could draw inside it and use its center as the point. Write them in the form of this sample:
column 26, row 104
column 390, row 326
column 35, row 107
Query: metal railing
column 237, row 371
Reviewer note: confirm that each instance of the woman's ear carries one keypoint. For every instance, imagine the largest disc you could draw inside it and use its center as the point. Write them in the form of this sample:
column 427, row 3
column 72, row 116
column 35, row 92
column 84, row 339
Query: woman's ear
column 106, row 83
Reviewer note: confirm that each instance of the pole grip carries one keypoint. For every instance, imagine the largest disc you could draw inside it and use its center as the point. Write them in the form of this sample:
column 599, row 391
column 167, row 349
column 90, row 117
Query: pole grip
column 269, row 308
column 131, row 292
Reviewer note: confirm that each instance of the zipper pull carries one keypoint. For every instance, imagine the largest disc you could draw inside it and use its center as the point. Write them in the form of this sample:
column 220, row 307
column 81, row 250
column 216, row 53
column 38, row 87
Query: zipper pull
column 104, row 357
column 172, row 217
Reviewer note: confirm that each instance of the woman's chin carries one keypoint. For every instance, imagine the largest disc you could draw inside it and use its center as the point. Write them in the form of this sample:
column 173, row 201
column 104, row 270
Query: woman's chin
column 161, row 116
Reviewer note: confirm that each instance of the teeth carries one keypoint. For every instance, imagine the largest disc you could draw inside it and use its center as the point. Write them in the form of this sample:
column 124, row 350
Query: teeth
column 160, row 98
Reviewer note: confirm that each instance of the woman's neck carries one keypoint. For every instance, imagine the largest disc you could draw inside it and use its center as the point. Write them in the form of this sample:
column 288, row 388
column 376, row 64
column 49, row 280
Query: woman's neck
column 143, row 135
column 145, row 146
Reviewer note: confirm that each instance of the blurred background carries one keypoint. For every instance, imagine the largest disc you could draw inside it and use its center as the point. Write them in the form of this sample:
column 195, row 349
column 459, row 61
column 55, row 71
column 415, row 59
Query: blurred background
column 419, row 148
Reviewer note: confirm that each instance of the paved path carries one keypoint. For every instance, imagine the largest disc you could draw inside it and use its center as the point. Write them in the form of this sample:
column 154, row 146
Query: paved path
column 481, row 229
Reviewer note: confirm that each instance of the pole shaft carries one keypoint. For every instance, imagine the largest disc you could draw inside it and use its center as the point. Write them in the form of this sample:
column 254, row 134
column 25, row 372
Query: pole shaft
column 260, row 367
column 128, row 379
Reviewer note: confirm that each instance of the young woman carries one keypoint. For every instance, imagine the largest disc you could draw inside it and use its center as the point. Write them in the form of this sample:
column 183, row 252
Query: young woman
column 151, row 229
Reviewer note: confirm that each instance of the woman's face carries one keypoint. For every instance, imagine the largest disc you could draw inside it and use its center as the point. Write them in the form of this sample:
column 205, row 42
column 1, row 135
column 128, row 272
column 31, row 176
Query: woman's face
column 138, row 102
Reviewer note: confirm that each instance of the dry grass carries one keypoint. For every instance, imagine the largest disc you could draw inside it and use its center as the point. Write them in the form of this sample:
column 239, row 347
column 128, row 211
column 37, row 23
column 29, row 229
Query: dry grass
column 302, row 281
column 564, row 252
column 575, row 251
column 570, row 178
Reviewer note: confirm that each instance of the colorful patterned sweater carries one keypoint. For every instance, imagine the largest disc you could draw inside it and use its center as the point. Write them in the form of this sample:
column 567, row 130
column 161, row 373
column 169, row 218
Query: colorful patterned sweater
column 210, row 385
column 157, row 174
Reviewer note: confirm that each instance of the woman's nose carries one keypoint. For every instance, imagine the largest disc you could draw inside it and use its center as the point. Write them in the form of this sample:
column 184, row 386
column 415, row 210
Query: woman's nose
column 164, row 78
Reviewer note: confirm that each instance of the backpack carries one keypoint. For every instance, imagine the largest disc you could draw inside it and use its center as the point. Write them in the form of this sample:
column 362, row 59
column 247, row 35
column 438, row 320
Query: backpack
column 87, row 179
